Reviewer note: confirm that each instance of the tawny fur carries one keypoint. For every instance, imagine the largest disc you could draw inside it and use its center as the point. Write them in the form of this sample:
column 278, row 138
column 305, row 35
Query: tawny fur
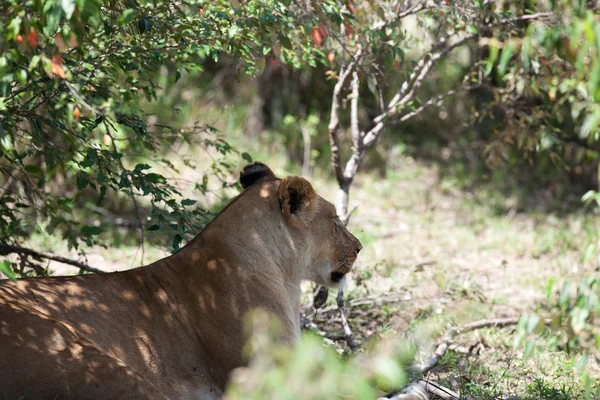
column 174, row 329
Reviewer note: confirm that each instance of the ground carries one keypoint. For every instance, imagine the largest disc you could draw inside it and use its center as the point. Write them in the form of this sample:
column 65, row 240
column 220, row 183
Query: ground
column 436, row 255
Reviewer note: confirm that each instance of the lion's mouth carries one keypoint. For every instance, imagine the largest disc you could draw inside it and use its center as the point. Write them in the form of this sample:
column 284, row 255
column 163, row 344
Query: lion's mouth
column 337, row 276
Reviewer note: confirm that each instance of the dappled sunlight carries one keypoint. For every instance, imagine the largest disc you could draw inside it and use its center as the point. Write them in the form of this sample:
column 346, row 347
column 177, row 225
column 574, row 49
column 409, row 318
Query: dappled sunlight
column 175, row 327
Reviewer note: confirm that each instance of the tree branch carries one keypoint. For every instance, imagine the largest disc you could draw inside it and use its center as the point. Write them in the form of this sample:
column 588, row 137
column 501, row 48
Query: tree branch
column 435, row 101
column 410, row 87
column 354, row 109
column 413, row 391
column 8, row 248
column 348, row 334
column 449, row 336
column 334, row 119
column 410, row 10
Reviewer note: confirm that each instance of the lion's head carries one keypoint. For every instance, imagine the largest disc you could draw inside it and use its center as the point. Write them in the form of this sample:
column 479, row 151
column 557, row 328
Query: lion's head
column 314, row 230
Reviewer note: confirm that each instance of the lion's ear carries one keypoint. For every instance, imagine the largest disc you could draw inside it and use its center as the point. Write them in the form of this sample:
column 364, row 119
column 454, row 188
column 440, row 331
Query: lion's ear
column 255, row 172
column 297, row 198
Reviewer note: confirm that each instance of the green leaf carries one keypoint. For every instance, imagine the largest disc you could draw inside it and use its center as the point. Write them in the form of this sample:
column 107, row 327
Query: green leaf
column 578, row 318
column 176, row 242
column 285, row 41
column 91, row 157
column 188, row 202
column 68, row 7
column 232, row 31
column 141, row 167
column 529, row 347
column 144, row 25
column 126, row 17
column 532, row 323
column 156, row 178
column 91, row 230
column 33, row 169
column 247, row 157
column 6, row 269
column 82, row 182
column 491, row 60
column 505, row 57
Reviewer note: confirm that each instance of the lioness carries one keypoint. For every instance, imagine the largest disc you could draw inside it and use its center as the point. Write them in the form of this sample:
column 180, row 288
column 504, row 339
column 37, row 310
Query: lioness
column 174, row 329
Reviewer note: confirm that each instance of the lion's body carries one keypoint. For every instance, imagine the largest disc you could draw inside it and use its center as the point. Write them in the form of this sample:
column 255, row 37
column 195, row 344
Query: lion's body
column 175, row 328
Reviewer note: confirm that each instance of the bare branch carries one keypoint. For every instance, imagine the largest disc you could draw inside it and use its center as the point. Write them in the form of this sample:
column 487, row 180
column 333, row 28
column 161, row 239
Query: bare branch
column 78, row 96
column 8, row 248
column 410, row 87
column 413, row 9
column 433, row 102
column 354, row 110
column 418, row 6
column 334, row 119
column 307, row 150
column 348, row 335
column 449, row 336
column 418, row 391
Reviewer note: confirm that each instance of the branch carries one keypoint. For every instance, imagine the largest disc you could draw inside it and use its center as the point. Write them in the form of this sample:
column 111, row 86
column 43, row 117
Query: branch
column 7, row 249
column 76, row 94
column 354, row 109
column 449, row 336
column 348, row 335
column 410, row 87
column 418, row 390
column 434, row 102
column 410, row 10
column 418, row 6
column 334, row 119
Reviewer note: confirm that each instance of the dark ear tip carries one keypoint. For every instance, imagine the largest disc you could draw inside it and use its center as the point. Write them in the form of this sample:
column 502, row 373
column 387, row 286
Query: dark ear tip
column 255, row 172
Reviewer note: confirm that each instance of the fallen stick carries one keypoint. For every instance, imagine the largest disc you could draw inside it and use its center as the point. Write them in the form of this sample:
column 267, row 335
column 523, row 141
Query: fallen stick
column 348, row 335
column 419, row 390
column 451, row 333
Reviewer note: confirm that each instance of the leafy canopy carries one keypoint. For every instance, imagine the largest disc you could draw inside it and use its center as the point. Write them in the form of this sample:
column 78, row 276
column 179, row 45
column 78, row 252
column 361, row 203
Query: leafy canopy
column 76, row 79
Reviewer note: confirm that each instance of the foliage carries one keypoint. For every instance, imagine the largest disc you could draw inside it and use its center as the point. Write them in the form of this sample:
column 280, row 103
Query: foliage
column 547, row 79
column 573, row 323
column 76, row 78
column 282, row 372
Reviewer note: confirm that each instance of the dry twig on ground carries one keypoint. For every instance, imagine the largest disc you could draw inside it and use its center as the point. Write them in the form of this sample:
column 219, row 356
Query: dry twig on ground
column 416, row 389
column 348, row 334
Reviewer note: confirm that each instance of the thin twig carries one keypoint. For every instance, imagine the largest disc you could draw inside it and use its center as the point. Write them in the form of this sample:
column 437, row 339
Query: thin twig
column 78, row 96
column 411, row 86
column 418, row 391
column 346, row 218
column 449, row 336
column 433, row 102
column 410, row 10
column 9, row 248
column 439, row 352
column 354, row 109
column 348, row 335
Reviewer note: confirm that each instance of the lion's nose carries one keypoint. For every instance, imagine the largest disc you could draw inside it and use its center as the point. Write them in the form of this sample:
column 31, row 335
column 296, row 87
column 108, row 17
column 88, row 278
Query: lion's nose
column 358, row 249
